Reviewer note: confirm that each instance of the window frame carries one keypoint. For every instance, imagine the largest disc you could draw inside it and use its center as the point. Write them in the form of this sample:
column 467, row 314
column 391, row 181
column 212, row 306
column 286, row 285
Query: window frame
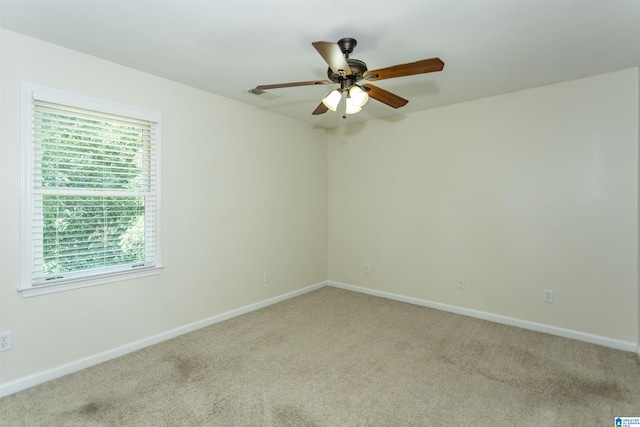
column 29, row 93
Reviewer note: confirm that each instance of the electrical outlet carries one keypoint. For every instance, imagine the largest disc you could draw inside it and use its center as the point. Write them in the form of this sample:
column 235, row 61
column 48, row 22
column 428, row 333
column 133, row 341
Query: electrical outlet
column 266, row 277
column 547, row 296
column 6, row 341
column 460, row 283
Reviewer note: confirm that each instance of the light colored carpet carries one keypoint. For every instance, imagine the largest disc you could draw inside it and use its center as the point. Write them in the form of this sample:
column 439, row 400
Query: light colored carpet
column 339, row 358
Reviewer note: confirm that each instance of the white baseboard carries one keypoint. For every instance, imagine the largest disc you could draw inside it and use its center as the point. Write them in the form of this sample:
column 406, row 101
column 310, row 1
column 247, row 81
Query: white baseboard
column 524, row 324
column 75, row 366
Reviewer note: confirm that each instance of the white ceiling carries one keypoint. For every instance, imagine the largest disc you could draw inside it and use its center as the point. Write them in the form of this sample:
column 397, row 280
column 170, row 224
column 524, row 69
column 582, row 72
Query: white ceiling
column 227, row 47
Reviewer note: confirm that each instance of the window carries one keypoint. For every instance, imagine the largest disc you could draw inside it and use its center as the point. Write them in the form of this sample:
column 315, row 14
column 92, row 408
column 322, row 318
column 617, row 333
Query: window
column 90, row 191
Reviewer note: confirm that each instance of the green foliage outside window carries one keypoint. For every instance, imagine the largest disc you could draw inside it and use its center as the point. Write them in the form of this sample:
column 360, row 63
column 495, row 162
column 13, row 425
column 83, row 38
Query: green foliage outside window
column 82, row 160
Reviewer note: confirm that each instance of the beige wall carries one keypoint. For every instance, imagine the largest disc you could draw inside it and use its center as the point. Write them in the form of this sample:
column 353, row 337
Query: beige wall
column 515, row 193
column 243, row 192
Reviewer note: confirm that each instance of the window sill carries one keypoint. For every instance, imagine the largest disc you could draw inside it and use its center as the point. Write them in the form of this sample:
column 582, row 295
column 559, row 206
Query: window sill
column 88, row 281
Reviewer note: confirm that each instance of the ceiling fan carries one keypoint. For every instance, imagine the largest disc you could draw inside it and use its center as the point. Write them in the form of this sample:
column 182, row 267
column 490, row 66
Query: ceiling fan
column 349, row 72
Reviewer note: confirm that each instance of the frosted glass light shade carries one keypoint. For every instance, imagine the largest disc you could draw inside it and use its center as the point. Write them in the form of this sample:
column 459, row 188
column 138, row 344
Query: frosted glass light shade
column 358, row 96
column 352, row 107
column 332, row 100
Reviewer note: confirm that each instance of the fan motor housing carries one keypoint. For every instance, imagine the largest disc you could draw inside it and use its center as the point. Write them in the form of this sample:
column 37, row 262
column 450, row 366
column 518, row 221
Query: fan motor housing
column 357, row 70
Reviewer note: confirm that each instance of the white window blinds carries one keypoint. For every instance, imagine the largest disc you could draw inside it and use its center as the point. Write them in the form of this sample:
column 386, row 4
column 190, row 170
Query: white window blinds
column 94, row 193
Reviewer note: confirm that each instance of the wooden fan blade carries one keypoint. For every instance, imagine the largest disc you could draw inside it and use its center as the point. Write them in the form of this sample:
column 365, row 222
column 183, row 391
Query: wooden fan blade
column 401, row 70
column 320, row 109
column 385, row 97
column 333, row 56
column 279, row 85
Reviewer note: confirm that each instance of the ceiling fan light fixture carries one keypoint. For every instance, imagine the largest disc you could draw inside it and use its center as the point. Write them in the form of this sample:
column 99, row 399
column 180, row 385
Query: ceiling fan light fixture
column 358, row 96
column 347, row 72
column 332, row 100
